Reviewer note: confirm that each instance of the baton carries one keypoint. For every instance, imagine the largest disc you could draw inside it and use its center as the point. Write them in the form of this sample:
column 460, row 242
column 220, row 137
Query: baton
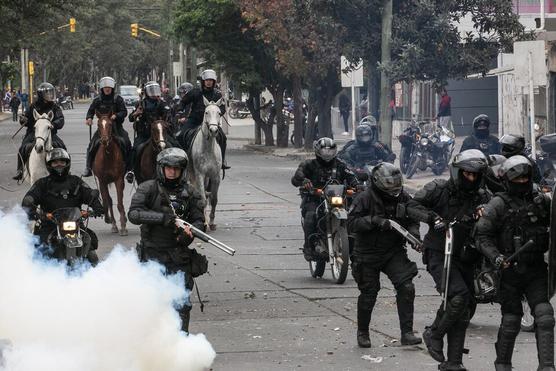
column 18, row 130
column 180, row 223
column 447, row 264
column 405, row 234
column 527, row 245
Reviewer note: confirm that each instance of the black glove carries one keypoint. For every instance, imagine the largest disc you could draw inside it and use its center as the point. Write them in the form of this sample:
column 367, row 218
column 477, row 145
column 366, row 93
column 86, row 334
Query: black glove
column 307, row 184
column 23, row 120
column 439, row 224
column 499, row 261
column 382, row 223
column 168, row 219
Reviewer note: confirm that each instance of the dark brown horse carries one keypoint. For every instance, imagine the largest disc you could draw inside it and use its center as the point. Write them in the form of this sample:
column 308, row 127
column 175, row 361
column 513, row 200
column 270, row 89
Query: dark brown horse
column 109, row 167
column 157, row 143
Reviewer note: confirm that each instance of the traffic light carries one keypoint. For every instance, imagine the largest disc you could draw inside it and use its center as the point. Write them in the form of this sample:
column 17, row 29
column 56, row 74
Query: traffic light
column 134, row 29
column 72, row 24
column 31, row 68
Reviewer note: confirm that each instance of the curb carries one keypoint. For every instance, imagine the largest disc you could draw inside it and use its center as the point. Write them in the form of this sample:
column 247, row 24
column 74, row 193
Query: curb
column 300, row 155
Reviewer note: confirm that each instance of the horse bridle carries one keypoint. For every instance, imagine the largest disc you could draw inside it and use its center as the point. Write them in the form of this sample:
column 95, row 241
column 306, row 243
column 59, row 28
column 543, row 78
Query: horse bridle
column 158, row 141
column 44, row 140
column 106, row 139
column 209, row 125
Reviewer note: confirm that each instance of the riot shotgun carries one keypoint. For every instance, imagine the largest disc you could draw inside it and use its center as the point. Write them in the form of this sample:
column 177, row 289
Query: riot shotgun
column 180, row 223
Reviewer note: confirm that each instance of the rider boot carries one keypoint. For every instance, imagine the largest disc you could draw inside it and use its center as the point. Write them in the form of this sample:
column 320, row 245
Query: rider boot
column 88, row 172
column 405, row 297
column 507, row 333
column 222, row 141
column 19, row 174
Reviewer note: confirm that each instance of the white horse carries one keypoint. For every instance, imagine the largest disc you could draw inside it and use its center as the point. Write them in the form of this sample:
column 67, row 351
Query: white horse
column 206, row 158
column 35, row 168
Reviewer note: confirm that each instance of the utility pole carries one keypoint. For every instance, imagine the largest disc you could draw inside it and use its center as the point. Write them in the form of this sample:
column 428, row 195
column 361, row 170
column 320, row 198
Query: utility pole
column 385, row 87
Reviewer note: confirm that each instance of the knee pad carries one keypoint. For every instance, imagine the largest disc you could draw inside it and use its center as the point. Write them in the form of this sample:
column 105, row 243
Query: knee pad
column 458, row 305
column 406, row 288
column 511, row 324
column 544, row 316
column 368, row 297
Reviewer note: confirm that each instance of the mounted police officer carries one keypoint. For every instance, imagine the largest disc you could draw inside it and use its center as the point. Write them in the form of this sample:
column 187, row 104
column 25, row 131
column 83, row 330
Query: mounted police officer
column 509, row 220
column 46, row 102
column 155, row 206
column 180, row 110
column 440, row 203
column 60, row 189
column 378, row 249
column 315, row 174
column 108, row 102
column 147, row 111
column 481, row 138
column 366, row 149
column 195, row 98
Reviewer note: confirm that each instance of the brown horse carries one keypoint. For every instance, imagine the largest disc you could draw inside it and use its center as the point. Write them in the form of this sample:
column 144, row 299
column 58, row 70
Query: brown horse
column 158, row 142
column 109, row 167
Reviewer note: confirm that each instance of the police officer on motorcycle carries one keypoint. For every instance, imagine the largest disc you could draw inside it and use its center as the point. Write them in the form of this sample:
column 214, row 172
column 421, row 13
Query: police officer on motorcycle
column 195, row 98
column 513, row 145
column 510, row 219
column 366, row 149
column 440, row 203
column 378, row 249
column 313, row 174
column 481, row 138
column 108, row 102
column 46, row 102
column 147, row 111
column 60, row 189
column 155, row 206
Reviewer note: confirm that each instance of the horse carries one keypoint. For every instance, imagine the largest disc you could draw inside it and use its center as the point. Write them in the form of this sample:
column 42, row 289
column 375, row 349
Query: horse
column 206, row 158
column 35, row 168
column 157, row 142
column 109, row 167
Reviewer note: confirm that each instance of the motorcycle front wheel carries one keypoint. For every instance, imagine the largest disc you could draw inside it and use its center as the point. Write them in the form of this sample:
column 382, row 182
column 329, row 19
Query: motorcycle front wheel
column 404, row 159
column 412, row 167
column 340, row 262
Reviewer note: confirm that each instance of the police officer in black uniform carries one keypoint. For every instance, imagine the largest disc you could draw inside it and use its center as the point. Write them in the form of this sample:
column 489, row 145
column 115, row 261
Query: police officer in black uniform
column 378, row 249
column 513, row 145
column 61, row 189
column 147, row 111
column 366, row 149
column 46, row 102
column 509, row 220
column 155, row 206
column 481, row 138
column 194, row 98
column 439, row 203
column 108, row 102
column 315, row 174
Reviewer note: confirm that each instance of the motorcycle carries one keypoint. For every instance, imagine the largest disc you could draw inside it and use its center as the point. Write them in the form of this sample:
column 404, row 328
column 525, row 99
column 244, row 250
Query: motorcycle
column 407, row 140
column 331, row 241
column 432, row 151
column 70, row 241
column 66, row 102
column 238, row 109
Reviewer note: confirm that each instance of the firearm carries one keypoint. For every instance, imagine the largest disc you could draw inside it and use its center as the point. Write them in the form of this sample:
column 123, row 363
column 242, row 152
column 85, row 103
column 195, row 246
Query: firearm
column 417, row 243
column 180, row 223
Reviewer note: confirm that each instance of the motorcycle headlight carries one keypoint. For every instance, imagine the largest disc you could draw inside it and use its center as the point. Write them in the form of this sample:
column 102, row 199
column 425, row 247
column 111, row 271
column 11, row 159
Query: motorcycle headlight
column 337, row 201
column 69, row 226
column 424, row 141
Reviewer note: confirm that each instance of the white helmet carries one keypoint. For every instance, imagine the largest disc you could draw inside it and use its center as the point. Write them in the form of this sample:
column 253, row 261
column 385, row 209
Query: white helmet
column 107, row 82
column 209, row 75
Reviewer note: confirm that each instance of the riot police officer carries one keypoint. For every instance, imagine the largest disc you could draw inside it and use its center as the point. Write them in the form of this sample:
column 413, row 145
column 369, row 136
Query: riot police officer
column 509, row 220
column 195, row 98
column 108, row 102
column 441, row 203
column 181, row 111
column 513, row 145
column 379, row 249
column 147, row 111
column 315, row 174
column 366, row 149
column 155, row 206
column 60, row 189
column 46, row 102
column 481, row 138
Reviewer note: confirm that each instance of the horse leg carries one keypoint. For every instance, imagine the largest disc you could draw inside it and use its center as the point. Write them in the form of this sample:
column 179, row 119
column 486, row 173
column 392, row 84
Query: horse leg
column 214, row 185
column 103, row 187
column 120, row 194
column 111, row 203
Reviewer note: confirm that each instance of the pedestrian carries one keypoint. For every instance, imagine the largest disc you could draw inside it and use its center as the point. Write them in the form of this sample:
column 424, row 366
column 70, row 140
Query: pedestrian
column 444, row 109
column 510, row 219
column 24, row 101
column 345, row 108
column 450, row 207
column 14, row 106
column 378, row 248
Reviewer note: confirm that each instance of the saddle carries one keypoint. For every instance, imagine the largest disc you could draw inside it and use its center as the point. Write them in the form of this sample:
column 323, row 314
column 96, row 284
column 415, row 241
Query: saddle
column 188, row 137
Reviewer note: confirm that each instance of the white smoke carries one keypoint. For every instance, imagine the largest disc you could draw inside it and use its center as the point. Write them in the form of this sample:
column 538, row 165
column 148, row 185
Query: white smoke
column 117, row 316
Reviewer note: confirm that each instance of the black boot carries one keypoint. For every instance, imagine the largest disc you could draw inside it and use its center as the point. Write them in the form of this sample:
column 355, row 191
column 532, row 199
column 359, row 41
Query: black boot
column 363, row 339
column 409, row 338
column 19, row 174
column 507, row 333
column 434, row 346
column 456, row 342
column 223, row 144
column 405, row 298
column 544, row 333
column 88, row 160
column 185, row 315
column 365, row 304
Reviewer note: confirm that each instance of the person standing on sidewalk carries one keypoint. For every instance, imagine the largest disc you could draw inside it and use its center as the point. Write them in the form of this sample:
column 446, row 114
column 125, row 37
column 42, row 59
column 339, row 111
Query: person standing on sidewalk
column 24, row 101
column 444, row 109
column 345, row 108
column 14, row 106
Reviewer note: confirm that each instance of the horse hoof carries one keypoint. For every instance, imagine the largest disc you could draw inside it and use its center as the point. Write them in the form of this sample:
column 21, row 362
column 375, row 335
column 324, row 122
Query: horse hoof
column 123, row 232
column 114, row 229
column 108, row 220
column 212, row 227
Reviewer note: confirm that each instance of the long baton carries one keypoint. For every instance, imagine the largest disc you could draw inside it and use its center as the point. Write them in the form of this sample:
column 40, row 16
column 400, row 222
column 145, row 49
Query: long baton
column 417, row 243
column 205, row 237
column 90, row 133
column 18, row 130
column 447, row 264
column 527, row 245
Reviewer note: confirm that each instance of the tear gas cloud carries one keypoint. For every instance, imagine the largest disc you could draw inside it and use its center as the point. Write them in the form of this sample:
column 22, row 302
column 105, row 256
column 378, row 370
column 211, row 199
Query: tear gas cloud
column 117, row 316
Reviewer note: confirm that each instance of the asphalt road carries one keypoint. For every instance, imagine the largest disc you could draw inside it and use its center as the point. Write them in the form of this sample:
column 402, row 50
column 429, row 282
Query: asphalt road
column 262, row 308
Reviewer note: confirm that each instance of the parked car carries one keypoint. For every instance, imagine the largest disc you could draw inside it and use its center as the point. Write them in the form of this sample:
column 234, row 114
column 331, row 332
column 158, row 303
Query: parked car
column 130, row 94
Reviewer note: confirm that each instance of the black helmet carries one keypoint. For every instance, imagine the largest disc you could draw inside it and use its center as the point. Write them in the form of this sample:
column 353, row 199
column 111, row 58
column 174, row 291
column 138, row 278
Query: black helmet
column 495, row 162
column 511, row 145
column 364, row 134
column 184, row 89
column 174, row 157
column 46, row 92
column 471, row 160
column 515, row 167
column 152, row 89
column 481, row 126
column 325, row 149
column 58, row 154
column 387, row 179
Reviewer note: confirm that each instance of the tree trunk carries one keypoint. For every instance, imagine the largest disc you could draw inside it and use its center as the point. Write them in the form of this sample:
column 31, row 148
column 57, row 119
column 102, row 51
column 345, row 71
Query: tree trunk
column 267, row 128
column 385, row 87
column 298, row 112
column 282, row 127
column 311, row 118
column 254, row 105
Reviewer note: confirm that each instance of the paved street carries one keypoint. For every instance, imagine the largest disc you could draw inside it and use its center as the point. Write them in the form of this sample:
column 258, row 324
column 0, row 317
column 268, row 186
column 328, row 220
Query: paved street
column 263, row 311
